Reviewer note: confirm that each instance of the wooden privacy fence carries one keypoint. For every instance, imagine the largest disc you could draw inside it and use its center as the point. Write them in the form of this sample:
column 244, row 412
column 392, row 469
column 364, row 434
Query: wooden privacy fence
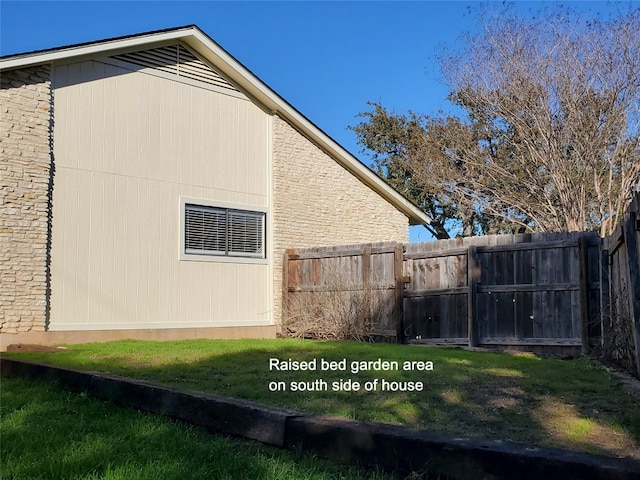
column 504, row 290
column 357, row 285
column 621, row 292
column 539, row 290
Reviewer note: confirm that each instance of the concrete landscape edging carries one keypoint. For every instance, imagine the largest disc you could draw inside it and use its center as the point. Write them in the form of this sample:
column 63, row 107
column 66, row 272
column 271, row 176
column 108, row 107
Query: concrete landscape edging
column 389, row 447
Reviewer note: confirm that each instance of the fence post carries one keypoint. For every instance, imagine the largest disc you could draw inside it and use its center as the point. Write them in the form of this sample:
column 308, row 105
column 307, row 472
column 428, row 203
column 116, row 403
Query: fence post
column 631, row 241
column 366, row 286
column 398, row 259
column 583, row 257
column 285, row 288
column 605, row 293
column 366, row 268
column 473, row 272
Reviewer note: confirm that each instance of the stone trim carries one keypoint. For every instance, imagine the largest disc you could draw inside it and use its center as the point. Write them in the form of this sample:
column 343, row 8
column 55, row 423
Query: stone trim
column 26, row 178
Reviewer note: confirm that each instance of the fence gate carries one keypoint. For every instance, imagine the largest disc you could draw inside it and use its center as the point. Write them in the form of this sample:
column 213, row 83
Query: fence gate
column 436, row 295
column 522, row 293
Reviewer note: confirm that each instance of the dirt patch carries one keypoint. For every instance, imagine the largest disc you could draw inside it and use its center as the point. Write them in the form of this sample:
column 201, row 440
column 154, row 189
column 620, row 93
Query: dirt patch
column 571, row 429
column 498, row 394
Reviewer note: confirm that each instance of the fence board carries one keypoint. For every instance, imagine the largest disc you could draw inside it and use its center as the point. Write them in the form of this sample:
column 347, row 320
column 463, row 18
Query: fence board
column 550, row 287
column 414, row 320
column 473, row 276
column 383, row 265
column 398, row 271
column 505, row 325
column 620, row 313
column 632, row 242
column 435, row 292
column 583, row 258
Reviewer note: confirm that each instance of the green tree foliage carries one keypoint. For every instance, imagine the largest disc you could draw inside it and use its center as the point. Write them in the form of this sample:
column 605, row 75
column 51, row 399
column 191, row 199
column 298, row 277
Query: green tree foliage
column 550, row 139
column 390, row 138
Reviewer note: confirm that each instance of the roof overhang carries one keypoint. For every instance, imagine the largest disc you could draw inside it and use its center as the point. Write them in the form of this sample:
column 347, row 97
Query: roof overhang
column 237, row 73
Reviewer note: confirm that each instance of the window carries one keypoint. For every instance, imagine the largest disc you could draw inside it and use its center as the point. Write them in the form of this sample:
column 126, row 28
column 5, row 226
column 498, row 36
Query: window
column 223, row 231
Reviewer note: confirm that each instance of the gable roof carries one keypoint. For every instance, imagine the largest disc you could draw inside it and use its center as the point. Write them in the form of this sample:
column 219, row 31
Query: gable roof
column 240, row 76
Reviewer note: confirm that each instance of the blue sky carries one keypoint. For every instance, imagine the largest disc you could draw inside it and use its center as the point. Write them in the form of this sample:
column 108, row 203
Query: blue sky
column 325, row 58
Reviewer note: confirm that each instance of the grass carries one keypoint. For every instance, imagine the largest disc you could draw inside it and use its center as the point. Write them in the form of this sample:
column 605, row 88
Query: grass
column 570, row 404
column 48, row 433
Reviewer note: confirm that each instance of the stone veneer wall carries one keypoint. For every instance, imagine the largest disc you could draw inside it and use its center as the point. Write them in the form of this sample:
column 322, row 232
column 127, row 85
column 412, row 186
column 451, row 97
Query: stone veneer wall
column 317, row 202
column 25, row 172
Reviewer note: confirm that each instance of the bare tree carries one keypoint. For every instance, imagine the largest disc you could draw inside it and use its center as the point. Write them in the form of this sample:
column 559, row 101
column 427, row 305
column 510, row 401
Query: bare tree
column 559, row 99
column 551, row 140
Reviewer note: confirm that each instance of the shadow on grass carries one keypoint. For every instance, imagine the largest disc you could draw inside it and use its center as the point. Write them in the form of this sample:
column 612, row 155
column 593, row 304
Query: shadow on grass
column 50, row 433
column 570, row 404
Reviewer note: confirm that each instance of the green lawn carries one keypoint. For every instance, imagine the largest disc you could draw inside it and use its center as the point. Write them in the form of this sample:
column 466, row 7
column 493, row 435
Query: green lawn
column 48, row 433
column 566, row 403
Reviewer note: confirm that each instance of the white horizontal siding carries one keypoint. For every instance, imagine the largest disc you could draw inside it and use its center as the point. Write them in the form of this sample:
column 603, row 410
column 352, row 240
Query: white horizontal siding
column 127, row 147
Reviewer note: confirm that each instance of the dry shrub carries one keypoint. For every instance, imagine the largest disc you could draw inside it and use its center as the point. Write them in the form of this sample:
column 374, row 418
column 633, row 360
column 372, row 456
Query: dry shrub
column 334, row 310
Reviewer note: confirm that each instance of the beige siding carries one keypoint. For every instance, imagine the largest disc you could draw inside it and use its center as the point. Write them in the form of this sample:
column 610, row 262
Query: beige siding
column 317, row 202
column 25, row 106
column 128, row 145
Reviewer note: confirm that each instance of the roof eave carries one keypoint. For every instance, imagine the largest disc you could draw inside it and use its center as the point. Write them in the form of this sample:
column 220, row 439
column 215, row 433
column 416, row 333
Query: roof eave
column 93, row 48
column 247, row 81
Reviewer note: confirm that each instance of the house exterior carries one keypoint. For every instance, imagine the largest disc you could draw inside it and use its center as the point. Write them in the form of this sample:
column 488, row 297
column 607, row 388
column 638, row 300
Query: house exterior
column 150, row 185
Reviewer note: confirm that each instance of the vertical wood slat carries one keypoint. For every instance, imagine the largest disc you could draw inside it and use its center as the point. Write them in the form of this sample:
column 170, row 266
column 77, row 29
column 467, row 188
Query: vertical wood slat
column 615, row 331
column 366, row 280
column 620, row 291
column 366, row 268
column 285, row 287
column 584, row 292
column 631, row 241
column 605, row 294
column 398, row 256
column 473, row 272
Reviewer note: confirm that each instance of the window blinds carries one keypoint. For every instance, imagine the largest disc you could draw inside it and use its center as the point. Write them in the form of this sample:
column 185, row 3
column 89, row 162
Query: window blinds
column 223, row 231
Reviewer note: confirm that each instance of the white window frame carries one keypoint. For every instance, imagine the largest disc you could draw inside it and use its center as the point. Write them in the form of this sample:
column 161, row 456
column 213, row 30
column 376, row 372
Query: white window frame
column 228, row 257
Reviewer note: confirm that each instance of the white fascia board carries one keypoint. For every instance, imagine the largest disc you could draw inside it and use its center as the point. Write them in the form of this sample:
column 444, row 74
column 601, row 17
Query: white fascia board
column 97, row 48
column 243, row 78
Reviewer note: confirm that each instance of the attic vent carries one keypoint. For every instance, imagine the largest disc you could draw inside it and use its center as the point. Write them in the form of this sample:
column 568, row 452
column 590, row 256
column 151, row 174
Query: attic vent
column 177, row 60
